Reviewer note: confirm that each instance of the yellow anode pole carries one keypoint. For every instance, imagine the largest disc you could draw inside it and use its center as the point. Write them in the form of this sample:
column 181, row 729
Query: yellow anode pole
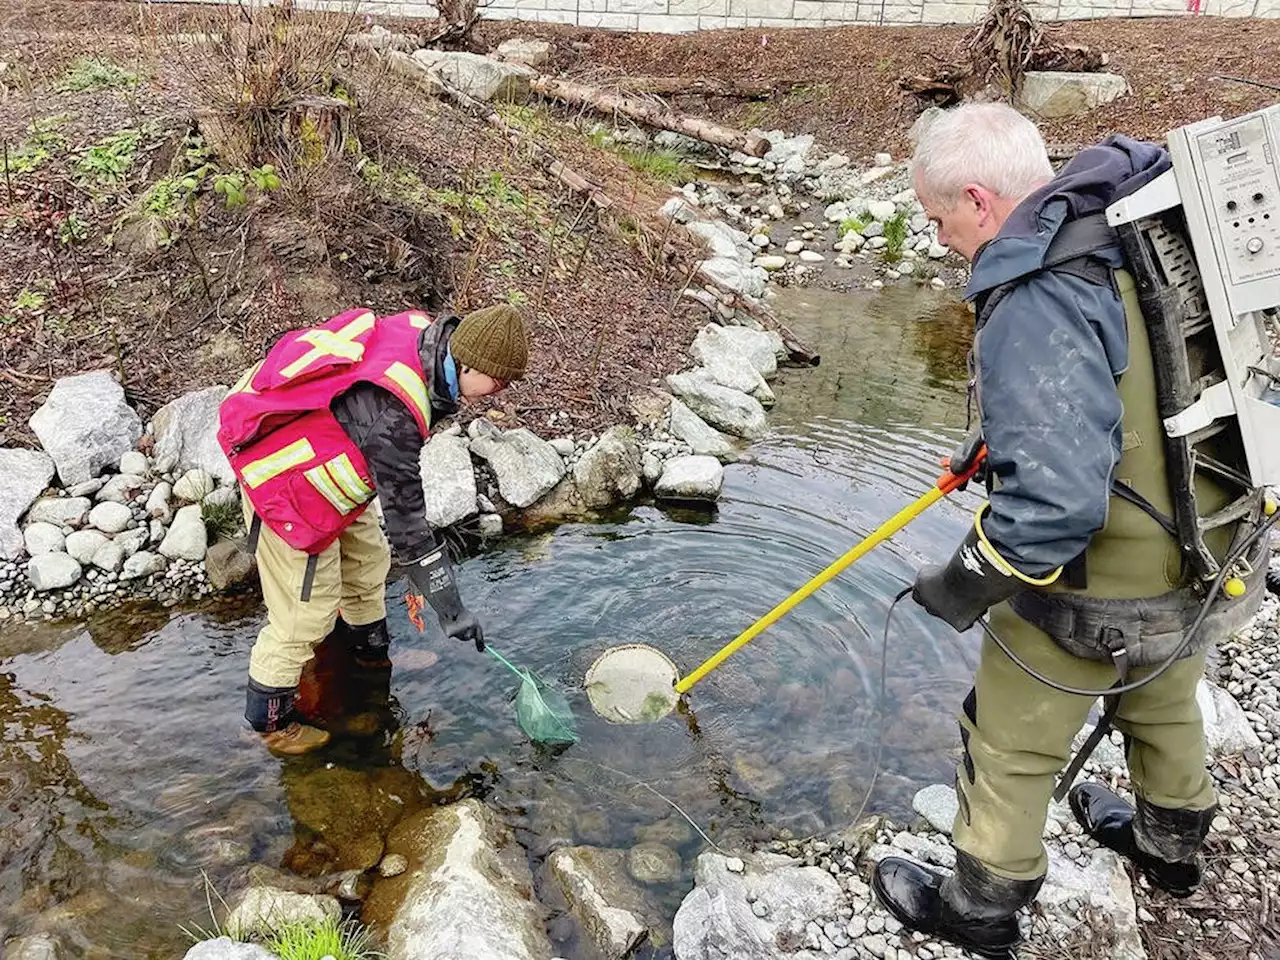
column 946, row 483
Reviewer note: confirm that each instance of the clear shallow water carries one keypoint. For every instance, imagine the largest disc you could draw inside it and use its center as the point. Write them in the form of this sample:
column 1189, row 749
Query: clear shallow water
column 124, row 773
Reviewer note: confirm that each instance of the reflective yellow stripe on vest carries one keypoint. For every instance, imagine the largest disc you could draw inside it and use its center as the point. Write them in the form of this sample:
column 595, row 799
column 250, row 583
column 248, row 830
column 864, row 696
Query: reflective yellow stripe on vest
column 319, row 478
column 258, row 472
column 332, row 343
column 338, row 482
column 419, row 321
column 409, row 381
column 245, row 383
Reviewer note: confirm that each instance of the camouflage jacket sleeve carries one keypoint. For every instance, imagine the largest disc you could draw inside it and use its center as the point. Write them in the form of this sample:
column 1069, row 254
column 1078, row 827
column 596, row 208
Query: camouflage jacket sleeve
column 388, row 436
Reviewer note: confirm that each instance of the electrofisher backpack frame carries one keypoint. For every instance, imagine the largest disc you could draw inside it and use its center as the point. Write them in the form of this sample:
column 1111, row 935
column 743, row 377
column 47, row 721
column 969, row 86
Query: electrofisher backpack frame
column 1203, row 244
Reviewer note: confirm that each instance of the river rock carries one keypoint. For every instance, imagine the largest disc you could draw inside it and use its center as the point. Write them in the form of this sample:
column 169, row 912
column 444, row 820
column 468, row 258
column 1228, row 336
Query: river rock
column 131, row 541
column 716, row 921
column 466, row 895
column 83, row 544
column 702, row 438
column 43, row 538
column 135, row 462
column 448, row 480
column 109, row 557
column 527, row 467
column 938, row 805
column 194, row 485
column 690, row 478
column 729, row 410
column 723, row 240
column 733, row 274
column 41, row 946
column 60, row 511
column 727, row 365
column 186, row 432
column 1226, row 729
column 1053, row 94
column 224, row 948
column 490, row 525
column 770, row 262
column 264, row 909
column 610, row 470
column 531, row 53
column 24, row 475
column 52, row 571
column 650, row 469
column 785, row 148
column 881, row 210
column 616, row 914
column 121, row 488
column 478, row 76
column 228, row 565
column 187, row 538
column 761, row 347
column 158, row 503
column 1101, row 883
column 86, row 425
column 142, row 564
column 653, row 863
column 110, row 517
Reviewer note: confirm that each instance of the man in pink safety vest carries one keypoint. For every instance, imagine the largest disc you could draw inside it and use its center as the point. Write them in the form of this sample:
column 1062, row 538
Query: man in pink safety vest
column 332, row 416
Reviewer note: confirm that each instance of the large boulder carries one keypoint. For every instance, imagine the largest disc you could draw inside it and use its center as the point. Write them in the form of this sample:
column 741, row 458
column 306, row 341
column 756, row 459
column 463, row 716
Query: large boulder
column 527, row 467
column 60, row 511
column 1051, row 94
column 729, row 410
column 702, row 438
column 52, row 571
column 478, row 76
column 610, row 470
column 83, row 544
column 448, row 480
column 1226, row 729
column 690, row 478
column 24, row 474
column 729, row 366
column 186, row 433
column 723, row 240
column 762, row 347
column 618, row 915
column 467, row 894
column 719, row 921
column 228, row 565
column 530, row 53
column 86, row 425
column 187, row 539
column 264, row 909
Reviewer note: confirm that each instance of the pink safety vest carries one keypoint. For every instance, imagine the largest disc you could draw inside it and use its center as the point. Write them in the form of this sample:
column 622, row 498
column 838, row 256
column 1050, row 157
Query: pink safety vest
column 305, row 478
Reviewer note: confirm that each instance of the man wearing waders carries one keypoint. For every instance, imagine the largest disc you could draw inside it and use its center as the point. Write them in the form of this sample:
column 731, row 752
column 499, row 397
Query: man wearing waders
column 333, row 416
column 1069, row 540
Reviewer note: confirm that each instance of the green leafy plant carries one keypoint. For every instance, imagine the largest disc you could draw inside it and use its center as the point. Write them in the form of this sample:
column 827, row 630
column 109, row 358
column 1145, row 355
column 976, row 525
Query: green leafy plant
column 265, row 178
column 222, row 521
column 851, row 225
column 316, row 940
column 517, row 298
column 895, row 236
column 95, row 73
column 29, row 300
column 72, row 230
column 109, row 160
column 232, row 188
column 43, row 141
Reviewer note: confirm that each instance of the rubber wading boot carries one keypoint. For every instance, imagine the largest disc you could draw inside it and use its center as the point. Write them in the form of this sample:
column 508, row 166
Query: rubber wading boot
column 973, row 908
column 370, row 644
column 1176, row 835
column 269, row 711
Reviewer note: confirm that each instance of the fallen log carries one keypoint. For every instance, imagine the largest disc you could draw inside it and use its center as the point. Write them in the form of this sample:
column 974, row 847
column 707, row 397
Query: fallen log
column 651, row 115
column 942, row 92
column 705, row 86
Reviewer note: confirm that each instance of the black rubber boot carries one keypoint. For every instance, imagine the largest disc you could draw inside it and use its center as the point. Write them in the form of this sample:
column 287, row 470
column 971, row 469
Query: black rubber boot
column 270, row 713
column 1177, row 835
column 1273, row 581
column 973, row 908
column 370, row 644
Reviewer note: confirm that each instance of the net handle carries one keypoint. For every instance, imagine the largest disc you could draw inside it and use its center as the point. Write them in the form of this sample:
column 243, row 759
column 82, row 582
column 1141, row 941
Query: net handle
column 506, row 663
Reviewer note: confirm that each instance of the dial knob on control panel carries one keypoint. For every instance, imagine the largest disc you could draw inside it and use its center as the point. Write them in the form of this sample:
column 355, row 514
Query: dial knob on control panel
column 1254, row 245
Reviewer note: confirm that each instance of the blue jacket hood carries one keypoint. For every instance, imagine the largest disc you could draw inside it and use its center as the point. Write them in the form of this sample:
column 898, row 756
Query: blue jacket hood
column 1095, row 178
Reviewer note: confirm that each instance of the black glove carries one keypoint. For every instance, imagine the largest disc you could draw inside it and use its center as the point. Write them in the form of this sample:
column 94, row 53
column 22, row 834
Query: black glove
column 432, row 575
column 964, row 455
column 975, row 579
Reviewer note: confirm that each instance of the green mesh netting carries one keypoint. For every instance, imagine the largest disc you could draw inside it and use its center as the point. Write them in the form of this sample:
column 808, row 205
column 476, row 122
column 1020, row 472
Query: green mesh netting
column 542, row 711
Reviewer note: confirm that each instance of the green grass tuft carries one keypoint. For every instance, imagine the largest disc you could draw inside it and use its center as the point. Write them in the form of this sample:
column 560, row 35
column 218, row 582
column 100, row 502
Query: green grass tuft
column 95, row 73
column 895, row 236
column 316, row 940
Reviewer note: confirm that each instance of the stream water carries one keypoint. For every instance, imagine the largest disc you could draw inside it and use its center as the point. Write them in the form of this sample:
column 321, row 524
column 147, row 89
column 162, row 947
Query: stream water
column 126, row 780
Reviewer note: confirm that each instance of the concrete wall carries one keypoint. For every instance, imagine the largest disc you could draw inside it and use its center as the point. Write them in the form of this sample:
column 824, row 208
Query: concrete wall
column 681, row 16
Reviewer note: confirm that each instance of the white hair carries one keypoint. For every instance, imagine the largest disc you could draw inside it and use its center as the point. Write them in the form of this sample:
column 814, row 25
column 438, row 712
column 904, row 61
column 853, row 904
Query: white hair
column 990, row 144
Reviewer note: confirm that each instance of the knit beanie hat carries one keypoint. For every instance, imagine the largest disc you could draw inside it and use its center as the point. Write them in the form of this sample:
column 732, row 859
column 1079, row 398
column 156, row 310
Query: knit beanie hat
column 493, row 341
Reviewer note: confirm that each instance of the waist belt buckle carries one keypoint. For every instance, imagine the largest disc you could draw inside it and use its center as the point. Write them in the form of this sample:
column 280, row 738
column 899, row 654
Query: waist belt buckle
column 1113, row 639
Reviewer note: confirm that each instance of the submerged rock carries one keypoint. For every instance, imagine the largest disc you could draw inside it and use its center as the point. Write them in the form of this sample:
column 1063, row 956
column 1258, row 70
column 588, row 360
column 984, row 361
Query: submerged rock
column 717, row 920
column 653, row 863
column 85, row 425
column 42, row 946
column 466, row 895
column 617, row 915
column 25, row 473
